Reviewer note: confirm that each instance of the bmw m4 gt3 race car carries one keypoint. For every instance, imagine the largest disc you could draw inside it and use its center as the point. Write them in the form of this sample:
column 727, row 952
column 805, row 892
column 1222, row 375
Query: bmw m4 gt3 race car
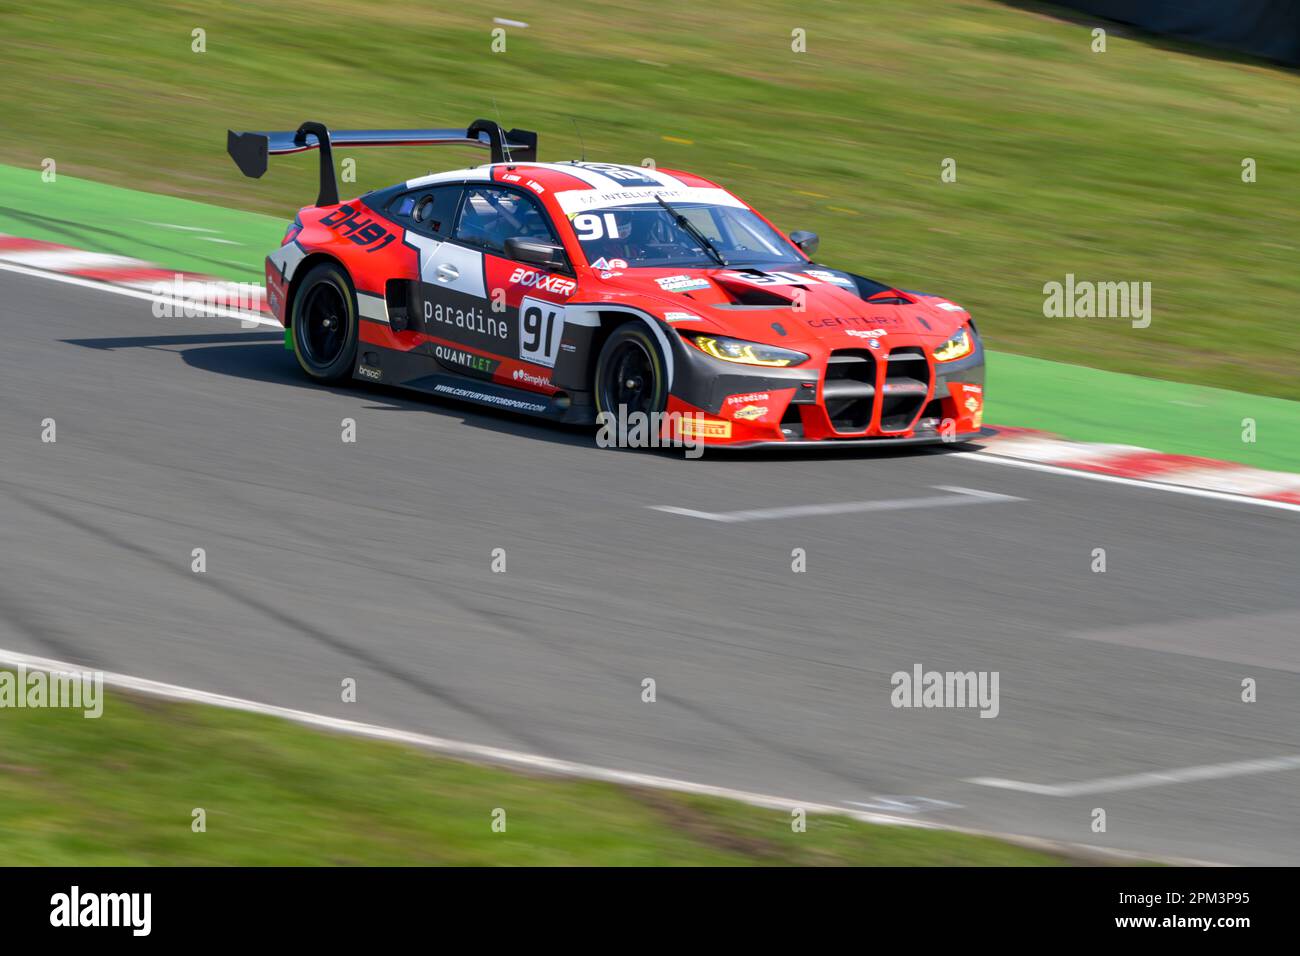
column 569, row 289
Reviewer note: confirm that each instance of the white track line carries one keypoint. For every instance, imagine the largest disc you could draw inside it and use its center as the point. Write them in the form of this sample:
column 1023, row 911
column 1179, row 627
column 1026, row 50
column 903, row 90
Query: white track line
column 224, row 313
column 1137, row 781
column 172, row 225
column 457, row 748
column 959, row 496
column 66, row 260
column 536, row 762
column 1119, row 480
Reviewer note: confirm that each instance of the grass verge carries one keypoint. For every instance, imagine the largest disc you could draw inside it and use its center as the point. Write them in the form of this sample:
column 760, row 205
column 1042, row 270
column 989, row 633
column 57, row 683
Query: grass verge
column 120, row 790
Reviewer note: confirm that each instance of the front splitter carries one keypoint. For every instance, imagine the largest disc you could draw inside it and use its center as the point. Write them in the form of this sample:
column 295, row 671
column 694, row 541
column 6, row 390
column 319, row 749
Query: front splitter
column 931, row 439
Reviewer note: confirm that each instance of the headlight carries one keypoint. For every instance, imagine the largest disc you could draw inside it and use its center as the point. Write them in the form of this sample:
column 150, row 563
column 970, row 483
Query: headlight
column 745, row 353
column 959, row 346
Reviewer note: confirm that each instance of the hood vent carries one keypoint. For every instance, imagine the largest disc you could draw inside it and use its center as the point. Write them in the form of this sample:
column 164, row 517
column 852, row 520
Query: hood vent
column 745, row 293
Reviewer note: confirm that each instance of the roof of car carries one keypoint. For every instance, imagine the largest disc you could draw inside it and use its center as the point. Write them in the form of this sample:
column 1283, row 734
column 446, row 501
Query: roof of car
column 558, row 177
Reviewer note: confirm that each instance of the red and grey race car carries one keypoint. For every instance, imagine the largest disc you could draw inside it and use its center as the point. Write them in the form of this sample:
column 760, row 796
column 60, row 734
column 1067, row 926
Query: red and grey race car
column 571, row 289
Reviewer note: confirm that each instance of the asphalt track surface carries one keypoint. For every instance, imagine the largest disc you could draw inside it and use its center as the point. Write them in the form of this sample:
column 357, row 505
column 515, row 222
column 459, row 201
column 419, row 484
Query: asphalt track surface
column 372, row 560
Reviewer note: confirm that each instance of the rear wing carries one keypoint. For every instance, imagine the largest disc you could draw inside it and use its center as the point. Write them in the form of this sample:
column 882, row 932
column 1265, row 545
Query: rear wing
column 250, row 151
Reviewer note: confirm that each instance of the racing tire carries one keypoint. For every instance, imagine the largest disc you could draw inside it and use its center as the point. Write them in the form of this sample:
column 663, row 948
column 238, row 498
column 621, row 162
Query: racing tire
column 630, row 372
column 324, row 324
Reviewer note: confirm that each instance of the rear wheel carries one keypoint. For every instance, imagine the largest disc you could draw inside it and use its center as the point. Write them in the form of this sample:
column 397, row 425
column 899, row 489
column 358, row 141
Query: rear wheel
column 324, row 324
column 630, row 373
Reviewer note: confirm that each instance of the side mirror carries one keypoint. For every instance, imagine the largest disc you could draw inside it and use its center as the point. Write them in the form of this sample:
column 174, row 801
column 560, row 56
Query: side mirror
column 805, row 240
column 536, row 252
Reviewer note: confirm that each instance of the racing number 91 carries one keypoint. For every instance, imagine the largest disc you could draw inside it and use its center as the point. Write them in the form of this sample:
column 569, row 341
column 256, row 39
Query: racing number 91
column 540, row 327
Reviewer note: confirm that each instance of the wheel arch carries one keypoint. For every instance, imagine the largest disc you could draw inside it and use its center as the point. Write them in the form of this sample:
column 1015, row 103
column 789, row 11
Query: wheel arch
column 301, row 270
column 604, row 320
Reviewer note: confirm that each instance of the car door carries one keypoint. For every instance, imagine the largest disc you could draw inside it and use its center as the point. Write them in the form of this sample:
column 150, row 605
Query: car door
column 528, row 300
column 451, row 303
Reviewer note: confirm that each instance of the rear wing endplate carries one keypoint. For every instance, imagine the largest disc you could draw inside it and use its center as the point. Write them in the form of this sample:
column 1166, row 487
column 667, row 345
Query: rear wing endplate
column 250, row 151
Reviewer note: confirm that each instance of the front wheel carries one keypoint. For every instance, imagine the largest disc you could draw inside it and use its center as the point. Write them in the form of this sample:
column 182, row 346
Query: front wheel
column 324, row 324
column 630, row 375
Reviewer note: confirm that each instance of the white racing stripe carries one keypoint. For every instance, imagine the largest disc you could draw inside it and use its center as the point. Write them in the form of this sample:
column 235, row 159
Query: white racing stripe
column 959, row 496
column 1137, row 781
column 372, row 307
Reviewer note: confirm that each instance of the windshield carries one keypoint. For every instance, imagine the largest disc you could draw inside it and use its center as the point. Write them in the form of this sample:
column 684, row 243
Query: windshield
column 647, row 236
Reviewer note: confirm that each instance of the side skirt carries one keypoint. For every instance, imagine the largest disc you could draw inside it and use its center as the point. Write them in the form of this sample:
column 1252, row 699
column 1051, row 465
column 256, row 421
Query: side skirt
column 421, row 373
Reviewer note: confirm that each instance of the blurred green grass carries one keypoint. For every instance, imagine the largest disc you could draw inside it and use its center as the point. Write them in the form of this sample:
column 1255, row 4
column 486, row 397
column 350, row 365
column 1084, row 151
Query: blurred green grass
column 1124, row 165
column 120, row 791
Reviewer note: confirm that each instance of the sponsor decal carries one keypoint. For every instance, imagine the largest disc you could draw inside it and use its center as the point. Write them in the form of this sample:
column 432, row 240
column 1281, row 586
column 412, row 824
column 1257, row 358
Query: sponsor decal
column 531, row 279
column 697, row 426
column 750, row 413
column 530, row 183
column 949, row 306
column 749, row 397
column 971, row 397
column 528, row 378
column 627, row 175
column 865, row 333
column 580, row 200
column 681, row 283
column 362, row 230
column 498, row 400
column 470, row 320
column 853, row 322
column 610, row 275
column 370, row 372
column 771, row 278
column 681, row 317
column 465, row 360
column 609, row 266
column 826, row 276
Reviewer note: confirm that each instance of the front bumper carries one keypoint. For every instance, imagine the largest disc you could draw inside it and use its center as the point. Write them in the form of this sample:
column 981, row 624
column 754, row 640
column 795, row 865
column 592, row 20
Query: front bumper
column 891, row 400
